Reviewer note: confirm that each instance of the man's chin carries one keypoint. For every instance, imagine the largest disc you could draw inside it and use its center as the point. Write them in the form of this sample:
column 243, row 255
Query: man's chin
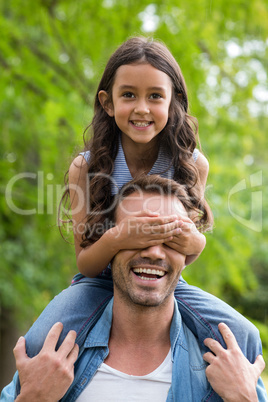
column 146, row 303
column 147, row 300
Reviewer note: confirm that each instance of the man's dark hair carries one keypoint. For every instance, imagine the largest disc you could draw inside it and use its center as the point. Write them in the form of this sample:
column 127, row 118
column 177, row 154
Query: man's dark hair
column 155, row 184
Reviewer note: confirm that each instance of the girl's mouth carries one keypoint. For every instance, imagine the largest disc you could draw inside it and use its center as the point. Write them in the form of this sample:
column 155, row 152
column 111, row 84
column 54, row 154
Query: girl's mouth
column 141, row 123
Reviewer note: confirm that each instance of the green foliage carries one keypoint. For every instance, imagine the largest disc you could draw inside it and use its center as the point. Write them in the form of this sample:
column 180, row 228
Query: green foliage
column 52, row 54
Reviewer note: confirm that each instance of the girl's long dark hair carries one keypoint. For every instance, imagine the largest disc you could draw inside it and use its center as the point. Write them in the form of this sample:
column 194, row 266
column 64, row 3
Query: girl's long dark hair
column 178, row 139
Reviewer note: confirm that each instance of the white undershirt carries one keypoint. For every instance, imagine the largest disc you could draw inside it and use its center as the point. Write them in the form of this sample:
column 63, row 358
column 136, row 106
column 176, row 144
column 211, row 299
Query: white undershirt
column 112, row 385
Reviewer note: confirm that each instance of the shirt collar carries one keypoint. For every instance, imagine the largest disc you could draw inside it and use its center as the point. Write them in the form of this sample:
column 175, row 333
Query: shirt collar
column 99, row 335
column 176, row 332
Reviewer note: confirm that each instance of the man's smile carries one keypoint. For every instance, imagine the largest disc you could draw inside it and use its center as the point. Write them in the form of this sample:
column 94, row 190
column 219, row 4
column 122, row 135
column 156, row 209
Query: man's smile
column 149, row 273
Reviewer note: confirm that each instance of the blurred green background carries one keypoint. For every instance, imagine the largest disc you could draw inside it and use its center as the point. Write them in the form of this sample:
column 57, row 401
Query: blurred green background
column 52, row 54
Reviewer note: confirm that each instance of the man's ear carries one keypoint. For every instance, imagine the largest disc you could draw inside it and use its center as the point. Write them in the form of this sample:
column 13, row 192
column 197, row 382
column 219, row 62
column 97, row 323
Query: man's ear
column 107, row 106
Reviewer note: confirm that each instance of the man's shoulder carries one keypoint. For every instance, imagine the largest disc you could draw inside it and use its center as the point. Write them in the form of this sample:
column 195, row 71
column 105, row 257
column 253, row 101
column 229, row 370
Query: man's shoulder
column 93, row 328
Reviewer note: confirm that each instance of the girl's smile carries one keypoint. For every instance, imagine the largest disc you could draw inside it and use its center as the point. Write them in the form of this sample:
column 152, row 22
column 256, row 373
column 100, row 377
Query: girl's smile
column 141, row 97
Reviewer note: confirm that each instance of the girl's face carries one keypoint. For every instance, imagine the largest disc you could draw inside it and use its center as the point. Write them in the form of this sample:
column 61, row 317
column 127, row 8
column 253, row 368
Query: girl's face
column 141, row 97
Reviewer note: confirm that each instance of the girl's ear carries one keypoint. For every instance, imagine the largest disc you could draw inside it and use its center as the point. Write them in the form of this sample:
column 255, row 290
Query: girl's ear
column 107, row 106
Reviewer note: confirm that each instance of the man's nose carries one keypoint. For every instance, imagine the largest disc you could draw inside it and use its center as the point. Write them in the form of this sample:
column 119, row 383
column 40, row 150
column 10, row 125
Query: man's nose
column 154, row 252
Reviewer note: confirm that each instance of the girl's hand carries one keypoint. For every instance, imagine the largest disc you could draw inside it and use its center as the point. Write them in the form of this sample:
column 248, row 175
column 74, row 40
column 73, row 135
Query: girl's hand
column 229, row 372
column 188, row 241
column 144, row 229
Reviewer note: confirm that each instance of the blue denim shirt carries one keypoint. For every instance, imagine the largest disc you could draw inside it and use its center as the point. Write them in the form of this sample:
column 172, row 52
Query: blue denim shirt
column 189, row 382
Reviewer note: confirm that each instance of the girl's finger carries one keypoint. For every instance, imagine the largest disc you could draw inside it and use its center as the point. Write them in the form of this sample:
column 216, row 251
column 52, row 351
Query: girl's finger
column 185, row 219
column 146, row 212
column 158, row 220
column 187, row 227
column 156, row 242
column 165, row 235
column 166, row 227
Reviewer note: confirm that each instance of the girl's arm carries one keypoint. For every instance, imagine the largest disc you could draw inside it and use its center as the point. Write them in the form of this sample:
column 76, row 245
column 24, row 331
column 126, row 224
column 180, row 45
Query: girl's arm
column 92, row 259
column 190, row 241
column 203, row 168
column 132, row 233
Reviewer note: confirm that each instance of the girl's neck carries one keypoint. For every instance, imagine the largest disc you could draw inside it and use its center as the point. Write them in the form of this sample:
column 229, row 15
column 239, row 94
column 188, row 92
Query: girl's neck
column 140, row 158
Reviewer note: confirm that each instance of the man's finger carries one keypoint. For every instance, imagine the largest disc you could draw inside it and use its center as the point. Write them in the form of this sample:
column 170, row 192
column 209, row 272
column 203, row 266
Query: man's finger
column 73, row 354
column 213, row 345
column 19, row 351
column 53, row 336
column 228, row 336
column 209, row 357
column 259, row 365
column 68, row 344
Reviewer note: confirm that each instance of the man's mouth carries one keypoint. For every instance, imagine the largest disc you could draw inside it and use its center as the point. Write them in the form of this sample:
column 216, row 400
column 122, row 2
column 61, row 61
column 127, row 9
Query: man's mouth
column 141, row 123
column 149, row 274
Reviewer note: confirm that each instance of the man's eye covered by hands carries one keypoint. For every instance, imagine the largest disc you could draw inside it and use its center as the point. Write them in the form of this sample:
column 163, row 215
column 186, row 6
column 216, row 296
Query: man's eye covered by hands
column 145, row 227
column 176, row 231
column 240, row 376
column 47, row 376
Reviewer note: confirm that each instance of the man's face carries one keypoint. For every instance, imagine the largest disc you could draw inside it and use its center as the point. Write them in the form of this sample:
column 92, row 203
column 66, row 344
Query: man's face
column 147, row 276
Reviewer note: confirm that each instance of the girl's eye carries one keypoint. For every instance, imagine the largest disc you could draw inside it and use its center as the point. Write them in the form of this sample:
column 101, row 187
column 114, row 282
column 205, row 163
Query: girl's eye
column 128, row 95
column 156, row 96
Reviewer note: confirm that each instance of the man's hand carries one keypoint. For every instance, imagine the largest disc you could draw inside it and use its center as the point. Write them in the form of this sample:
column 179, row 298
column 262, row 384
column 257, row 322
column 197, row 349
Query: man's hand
column 47, row 376
column 229, row 372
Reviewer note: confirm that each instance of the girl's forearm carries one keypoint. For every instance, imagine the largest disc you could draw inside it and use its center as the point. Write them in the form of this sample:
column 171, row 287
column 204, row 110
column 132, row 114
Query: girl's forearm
column 191, row 258
column 201, row 242
column 93, row 259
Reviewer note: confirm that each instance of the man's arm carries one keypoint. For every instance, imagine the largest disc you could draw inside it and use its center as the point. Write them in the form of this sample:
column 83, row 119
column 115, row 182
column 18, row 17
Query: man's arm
column 47, row 376
column 229, row 372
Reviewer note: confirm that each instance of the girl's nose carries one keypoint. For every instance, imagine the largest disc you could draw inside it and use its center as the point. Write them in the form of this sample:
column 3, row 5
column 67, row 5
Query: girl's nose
column 154, row 252
column 141, row 108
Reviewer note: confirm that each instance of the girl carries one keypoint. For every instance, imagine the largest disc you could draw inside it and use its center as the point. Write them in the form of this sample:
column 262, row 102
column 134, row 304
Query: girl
column 141, row 125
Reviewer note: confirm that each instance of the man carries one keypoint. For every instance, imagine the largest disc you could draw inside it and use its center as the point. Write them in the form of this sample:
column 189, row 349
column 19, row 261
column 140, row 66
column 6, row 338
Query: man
column 138, row 345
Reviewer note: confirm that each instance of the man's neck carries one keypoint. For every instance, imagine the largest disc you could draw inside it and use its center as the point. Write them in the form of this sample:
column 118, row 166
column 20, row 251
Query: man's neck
column 140, row 337
column 138, row 323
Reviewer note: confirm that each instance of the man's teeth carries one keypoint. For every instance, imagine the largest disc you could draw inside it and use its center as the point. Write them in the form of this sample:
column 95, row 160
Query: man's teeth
column 148, row 271
column 141, row 123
